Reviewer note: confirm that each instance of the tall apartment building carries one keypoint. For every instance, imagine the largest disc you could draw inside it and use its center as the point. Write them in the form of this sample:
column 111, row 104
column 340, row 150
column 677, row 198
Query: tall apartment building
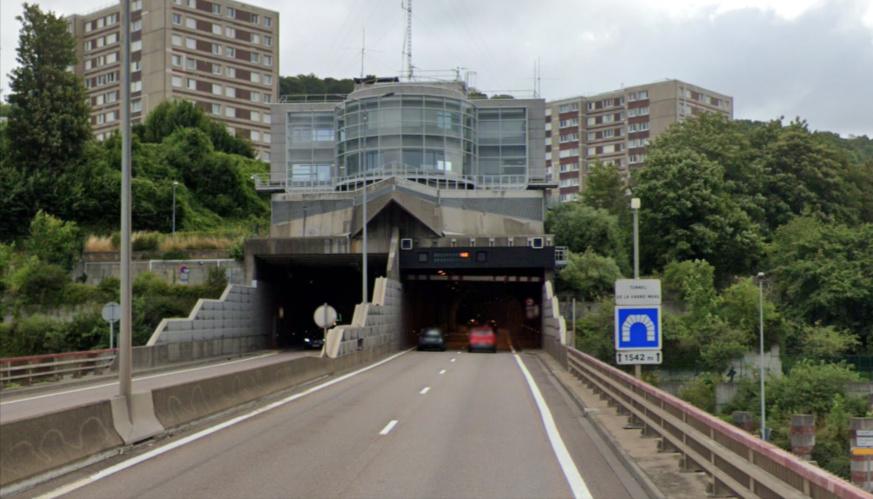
column 223, row 56
column 615, row 127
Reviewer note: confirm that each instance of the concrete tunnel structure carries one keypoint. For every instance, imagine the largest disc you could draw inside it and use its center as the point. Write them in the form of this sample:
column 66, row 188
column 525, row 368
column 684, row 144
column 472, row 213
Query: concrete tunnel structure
column 455, row 203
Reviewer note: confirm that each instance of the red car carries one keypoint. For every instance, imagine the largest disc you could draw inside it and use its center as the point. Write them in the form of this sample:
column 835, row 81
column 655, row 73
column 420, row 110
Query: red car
column 483, row 338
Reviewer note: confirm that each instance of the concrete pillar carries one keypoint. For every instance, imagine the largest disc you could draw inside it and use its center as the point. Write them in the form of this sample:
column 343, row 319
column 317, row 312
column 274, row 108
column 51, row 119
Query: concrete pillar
column 744, row 420
column 862, row 462
column 802, row 435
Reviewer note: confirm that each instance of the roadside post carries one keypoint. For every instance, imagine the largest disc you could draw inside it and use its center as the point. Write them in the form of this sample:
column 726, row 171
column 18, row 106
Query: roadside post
column 638, row 331
column 325, row 316
column 111, row 314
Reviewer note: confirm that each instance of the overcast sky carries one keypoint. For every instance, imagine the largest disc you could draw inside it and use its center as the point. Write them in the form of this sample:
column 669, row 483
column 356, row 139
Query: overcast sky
column 807, row 58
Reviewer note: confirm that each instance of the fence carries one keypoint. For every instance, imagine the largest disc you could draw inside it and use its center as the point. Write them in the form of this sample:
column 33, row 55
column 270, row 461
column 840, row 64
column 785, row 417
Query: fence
column 26, row 370
column 738, row 462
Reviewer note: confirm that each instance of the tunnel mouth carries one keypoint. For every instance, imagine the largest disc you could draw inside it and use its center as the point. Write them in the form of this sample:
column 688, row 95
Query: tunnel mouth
column 456, row 301
column 297, row 285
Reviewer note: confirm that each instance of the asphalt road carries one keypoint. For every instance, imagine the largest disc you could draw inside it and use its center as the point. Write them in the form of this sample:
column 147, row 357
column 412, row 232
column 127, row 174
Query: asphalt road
column 445, row 424
column 18, row 406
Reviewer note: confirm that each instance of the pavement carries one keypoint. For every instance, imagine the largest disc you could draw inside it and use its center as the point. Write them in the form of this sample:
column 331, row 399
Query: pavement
column 15, row 406
column 423, row 424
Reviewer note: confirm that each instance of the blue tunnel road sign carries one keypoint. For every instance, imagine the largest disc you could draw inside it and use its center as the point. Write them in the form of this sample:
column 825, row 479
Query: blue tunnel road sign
column 638, row 328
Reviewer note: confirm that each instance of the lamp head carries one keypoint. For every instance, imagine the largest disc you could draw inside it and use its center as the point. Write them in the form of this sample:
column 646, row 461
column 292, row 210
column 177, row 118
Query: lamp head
column 635, row 203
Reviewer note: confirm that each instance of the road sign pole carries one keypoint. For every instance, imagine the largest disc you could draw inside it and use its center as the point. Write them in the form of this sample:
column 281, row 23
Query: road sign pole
column 364, row 286
column 111, row 336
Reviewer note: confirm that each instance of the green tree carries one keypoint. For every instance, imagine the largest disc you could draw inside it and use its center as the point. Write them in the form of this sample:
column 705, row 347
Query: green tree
column 689, row 214
column 589, row 275
column 580, row 227
column 53, row 240
column 170, row 116
column 605, row 189
column 595, row 331
column 48, row 118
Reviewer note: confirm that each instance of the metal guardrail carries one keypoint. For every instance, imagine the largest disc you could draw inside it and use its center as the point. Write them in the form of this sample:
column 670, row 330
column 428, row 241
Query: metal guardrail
column 738, row 462
column 25, row 370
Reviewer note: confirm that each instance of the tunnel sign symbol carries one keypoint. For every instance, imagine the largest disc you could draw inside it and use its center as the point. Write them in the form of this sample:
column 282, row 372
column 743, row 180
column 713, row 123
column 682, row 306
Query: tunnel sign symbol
column 638, row 328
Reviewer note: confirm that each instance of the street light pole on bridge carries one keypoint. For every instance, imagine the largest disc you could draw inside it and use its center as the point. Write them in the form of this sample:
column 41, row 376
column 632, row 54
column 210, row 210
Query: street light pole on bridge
column 125, row 340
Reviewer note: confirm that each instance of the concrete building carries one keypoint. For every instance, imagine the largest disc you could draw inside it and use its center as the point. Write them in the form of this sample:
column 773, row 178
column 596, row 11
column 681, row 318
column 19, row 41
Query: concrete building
column 455, row 207
column 222, row 55
column 616, row 127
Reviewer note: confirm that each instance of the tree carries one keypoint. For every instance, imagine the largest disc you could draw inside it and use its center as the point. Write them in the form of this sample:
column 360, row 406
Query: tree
column 53, row 240
column 311, row 84
column 49, row 116
column 605, row 189
column 170, row 116
column 580, row 227
column 590, row 275
column 691, row 215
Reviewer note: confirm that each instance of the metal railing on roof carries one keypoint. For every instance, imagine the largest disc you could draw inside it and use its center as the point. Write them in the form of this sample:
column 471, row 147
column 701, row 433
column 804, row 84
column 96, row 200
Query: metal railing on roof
column 311, row 98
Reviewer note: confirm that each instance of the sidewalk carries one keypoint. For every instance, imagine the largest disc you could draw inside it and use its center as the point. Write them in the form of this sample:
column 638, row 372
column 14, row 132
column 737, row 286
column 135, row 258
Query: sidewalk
column 662, row 469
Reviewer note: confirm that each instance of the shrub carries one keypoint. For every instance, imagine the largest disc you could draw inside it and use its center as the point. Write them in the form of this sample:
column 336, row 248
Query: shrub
column 174, row 255
column 146, row 241
column 36, row 282
column 53, row 240
column 216, row 281
column 700, row 391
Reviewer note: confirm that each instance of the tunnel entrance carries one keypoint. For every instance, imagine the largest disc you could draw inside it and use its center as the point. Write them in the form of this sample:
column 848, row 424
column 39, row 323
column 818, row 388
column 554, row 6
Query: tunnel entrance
column 454, row 301
column 298, row 284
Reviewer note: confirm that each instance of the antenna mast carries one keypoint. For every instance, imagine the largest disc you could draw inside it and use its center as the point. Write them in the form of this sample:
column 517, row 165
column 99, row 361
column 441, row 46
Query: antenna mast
column 408, row 47
column 363, row 49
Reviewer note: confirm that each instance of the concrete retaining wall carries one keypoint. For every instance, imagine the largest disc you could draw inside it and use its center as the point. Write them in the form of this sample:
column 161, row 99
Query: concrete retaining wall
column 36, row 445
column 163, row 354
column 554, row 325
column 169, row 270
column 374, row 325
column 236, row 314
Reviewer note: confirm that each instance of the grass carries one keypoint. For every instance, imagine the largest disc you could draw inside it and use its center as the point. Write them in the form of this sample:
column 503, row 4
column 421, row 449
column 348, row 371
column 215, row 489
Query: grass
column 181, row 241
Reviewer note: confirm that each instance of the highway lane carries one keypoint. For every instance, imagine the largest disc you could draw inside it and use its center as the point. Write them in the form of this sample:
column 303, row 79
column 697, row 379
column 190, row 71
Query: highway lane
column 421, row 425
column 19, row 406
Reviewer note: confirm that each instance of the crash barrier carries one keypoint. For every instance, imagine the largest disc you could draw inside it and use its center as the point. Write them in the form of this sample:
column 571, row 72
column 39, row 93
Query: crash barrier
column 36, row 445
column 32, row 446
column 52, row 367
column 739, row 463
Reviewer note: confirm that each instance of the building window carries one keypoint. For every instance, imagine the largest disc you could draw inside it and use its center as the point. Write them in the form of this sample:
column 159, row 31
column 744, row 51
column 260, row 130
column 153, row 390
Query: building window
column 230, row 51
column 136, row 25
column 268, row 40
column 190, row 64
column 256, row 136
column 216, row 29
column 136, row 66
column 231, row 72
column 216, row 69
column 136, row 86
column 256, row 77
column 88, row 27
column 136, row 106
column 255, row 19
column 268, row 79
column 177, row 40
column 192, row 84
column 230, row 112
column 216, row 9
column 256, row 116
column 268, row 21
column 231, row 12
column 267, row 118
column 255, row 97
column 177, row 60
column 268, row 98
column 255, row 57
column 216, row 108
column 216, row 49
column 268, row 60
column 256, row 38
column 190, row 43
column 216, row 89
column 177, row 19
column 567, row 108
column 229, row 32
column 230, row 92
column 88, row 64
column 190, row 23
column 135, row 46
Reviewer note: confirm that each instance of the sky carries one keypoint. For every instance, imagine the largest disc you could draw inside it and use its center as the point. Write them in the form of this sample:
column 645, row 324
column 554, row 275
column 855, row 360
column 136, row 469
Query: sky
column 792, row 58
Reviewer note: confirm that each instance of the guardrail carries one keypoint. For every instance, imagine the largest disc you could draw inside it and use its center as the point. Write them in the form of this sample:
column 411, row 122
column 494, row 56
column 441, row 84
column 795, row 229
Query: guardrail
column 25, row 370
column 738, row 462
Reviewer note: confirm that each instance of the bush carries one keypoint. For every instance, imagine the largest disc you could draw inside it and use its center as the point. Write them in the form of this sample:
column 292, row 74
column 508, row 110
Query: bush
column 216, row 281
column 53, row 240
column 36, row 282
column 146, row 241
column 174, row 255
column 700, row 391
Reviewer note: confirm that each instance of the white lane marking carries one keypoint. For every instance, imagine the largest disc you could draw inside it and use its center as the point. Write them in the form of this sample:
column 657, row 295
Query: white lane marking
column 388, row 427
column 424, row 390
column 443, row 371
column 143, row 378
column 66, row 489
column 453, row 359
column 568, row 466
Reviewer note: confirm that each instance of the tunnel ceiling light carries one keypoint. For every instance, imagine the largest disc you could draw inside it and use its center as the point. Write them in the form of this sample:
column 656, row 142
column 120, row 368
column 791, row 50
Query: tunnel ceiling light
column 464, row 254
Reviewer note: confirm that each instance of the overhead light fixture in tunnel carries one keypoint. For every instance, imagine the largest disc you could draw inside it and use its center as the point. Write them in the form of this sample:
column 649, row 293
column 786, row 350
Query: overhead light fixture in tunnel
column 464, row 254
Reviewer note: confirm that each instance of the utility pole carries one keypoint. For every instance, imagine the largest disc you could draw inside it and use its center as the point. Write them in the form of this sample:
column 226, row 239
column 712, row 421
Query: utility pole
column 635, row 207
column 125, row 340
column 761, row 353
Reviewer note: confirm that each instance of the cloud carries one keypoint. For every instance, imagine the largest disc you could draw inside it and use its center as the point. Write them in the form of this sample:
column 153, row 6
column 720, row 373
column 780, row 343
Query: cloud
column 808, row 58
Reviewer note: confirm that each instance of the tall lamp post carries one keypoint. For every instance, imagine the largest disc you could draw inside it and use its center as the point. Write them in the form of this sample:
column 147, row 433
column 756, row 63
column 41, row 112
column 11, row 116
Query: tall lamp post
column 125, row 344
column 175, row 184
column 635, row 208
column 761, row 357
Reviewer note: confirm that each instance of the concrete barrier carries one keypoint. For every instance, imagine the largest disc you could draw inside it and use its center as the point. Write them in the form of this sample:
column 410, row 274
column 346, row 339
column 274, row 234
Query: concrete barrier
column 32, row 446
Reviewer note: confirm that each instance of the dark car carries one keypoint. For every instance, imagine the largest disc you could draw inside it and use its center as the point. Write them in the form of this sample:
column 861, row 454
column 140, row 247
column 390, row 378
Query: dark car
column 483, row 338
column 313, row 340
column 432, row 339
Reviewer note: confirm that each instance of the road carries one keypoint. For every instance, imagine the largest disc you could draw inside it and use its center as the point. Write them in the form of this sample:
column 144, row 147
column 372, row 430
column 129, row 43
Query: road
column 447, row 424
column 19, row 406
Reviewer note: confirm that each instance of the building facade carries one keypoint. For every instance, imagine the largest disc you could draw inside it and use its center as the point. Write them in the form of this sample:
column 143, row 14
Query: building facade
column 616, row 127
column 223, row 56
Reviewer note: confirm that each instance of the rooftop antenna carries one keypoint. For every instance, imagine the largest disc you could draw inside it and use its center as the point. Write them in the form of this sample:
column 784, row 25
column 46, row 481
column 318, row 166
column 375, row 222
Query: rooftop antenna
column 408, row 39
column 363, row 48
column 538, row 70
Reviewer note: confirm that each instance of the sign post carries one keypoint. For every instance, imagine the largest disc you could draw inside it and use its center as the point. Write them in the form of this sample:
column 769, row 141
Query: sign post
column 111, row 314
column 325, row 317
column 638, row 332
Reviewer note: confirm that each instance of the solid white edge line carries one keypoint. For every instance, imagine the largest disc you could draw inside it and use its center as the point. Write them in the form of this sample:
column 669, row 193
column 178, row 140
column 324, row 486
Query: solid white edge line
column 568, row 466
column 424, row 390
column 206, row 432
column 135, row 379
column 388, row 427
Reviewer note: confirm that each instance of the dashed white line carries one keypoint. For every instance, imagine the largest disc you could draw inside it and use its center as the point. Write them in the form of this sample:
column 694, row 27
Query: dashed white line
column 453, row 359
column 424, row 390
column 66, row 489
column 388, row 427
column 443, row 371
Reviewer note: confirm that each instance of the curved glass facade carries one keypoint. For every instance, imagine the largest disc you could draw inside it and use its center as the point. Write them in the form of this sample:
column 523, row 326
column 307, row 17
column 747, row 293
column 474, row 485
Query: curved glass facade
column 413, row 133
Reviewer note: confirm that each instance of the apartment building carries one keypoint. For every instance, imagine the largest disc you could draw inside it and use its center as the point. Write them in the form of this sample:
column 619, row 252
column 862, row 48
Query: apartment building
column 616, row 127
column 223, row 56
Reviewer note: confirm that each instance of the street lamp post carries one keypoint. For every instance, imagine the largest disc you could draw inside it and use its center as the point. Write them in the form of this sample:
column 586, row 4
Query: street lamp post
column 761, row 357
column 125, row 344
column 635, row 207
column 364, row 286
column 175, row 184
